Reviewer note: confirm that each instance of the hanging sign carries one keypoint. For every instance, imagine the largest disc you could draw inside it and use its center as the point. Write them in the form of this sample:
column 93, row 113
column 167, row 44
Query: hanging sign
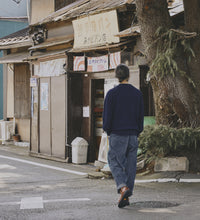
column 95, row 30
column 115, row 60
column 79, row 63
column 97, row 64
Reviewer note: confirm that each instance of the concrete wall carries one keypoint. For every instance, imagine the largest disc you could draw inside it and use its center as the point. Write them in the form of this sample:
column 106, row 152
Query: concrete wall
column 23, row 126
column 6, row 28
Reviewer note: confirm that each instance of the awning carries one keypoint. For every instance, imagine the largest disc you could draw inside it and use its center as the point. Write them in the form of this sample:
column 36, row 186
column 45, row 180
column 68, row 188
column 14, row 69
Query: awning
column 105, row 47
column 15, row 40
column 14, row 58
column 83, row 7
column 46, row 44
column 40, row 55
column 132, row 31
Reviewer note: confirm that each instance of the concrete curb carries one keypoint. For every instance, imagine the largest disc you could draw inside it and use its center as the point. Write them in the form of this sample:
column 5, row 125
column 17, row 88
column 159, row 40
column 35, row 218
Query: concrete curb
column 189, row 181
column 167, row 180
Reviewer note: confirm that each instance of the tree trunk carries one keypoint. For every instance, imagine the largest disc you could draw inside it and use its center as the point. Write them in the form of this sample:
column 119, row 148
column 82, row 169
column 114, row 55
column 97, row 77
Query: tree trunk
column 176, row 100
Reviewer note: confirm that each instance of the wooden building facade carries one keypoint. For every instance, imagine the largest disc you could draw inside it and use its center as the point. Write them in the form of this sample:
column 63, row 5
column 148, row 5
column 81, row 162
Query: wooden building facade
column 75, row 47
column 75, row 51
column 16, row 73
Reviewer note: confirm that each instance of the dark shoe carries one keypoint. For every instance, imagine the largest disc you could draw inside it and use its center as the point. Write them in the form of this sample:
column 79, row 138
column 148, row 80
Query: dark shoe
column 125, row 193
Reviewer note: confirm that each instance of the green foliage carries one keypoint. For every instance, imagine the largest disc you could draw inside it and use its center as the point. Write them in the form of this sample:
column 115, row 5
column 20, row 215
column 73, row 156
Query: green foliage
column 160, row 141
column 169, row 44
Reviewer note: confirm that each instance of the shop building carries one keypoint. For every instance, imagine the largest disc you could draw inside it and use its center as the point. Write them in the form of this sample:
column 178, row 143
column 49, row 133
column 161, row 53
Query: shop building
column 16, row 75
column 97, row 50
column 75, row 47
column 74, row 53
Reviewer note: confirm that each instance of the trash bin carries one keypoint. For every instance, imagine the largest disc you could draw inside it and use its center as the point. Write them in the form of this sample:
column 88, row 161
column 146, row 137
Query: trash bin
column 79, row 150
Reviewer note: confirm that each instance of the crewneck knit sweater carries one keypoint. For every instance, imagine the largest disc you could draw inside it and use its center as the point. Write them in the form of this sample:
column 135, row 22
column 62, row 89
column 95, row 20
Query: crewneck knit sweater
column 123, row 111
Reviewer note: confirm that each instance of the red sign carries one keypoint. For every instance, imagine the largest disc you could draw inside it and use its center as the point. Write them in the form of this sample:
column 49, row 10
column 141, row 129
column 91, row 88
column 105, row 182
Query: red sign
column 79, row 63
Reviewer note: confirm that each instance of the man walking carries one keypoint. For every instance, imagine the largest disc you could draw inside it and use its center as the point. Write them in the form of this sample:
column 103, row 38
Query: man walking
column 123, row 118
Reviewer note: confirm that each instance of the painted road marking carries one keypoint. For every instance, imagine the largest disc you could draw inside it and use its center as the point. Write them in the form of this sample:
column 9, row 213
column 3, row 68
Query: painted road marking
column 6, row 166
column 9, row 203
column 32, row 203
column 189, row 181
column 38, row 202
column 68, row 200
column 44, row 165
column 160, row 180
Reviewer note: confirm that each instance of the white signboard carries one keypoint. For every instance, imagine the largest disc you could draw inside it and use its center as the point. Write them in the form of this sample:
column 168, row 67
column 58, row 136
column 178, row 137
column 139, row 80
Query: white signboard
column 96, row 30
column 97, row 64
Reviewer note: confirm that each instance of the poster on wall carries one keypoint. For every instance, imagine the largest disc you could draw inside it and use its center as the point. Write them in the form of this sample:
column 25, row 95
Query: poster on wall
column 109, row 84
column 33, row 82
column 86, row 111
column 50, row 68
column 78, row 63
column 44, row 96
column 115, row 59
column 97, row 64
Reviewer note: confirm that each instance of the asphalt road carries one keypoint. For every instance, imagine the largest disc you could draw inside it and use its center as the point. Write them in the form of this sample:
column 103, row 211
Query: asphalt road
column 32, row 188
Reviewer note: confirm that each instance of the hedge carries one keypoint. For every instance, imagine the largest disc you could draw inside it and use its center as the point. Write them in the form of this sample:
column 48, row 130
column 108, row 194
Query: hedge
column 161, row 141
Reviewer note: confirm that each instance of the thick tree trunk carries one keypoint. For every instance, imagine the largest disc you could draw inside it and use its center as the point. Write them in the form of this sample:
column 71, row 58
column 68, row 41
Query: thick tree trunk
column 176, row 100
column 192, row 24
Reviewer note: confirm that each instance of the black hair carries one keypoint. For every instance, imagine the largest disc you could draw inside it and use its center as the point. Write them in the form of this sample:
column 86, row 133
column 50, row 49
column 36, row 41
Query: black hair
column 122, row 72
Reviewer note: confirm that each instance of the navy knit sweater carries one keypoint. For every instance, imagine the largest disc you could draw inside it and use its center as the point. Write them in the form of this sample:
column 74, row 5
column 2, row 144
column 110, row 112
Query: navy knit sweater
column 123, row 111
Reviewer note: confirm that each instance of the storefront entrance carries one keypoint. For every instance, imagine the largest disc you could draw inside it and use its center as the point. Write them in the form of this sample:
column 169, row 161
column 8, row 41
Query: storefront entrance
column 97, row 103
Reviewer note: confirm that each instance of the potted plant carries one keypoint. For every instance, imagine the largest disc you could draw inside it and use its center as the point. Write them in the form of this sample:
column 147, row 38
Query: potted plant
column 16, row 136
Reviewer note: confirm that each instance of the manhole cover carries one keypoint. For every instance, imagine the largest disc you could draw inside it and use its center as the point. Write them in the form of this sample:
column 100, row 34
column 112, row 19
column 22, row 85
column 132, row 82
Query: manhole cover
column 154, row 204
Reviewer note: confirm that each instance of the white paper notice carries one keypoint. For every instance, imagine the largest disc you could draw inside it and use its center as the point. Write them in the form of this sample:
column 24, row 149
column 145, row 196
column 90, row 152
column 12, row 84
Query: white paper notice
column 44, row 102
column 86, row 112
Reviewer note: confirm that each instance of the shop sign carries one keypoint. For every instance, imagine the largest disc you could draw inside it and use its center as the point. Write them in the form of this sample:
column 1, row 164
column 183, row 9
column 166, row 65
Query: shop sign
column 96, row 30
column 33, row 82
column 79, row 63
column 115, row 60
column 97, row 64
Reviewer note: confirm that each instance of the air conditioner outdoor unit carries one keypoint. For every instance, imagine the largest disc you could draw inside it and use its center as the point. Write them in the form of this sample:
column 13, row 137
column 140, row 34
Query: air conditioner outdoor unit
column 6, row 130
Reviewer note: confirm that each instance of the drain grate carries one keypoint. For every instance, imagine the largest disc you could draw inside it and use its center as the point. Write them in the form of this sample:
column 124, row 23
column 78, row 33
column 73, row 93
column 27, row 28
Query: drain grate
column 154, row 204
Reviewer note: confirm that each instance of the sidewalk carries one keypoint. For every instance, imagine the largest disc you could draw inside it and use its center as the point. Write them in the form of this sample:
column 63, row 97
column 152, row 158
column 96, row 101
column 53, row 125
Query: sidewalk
column 92, row 171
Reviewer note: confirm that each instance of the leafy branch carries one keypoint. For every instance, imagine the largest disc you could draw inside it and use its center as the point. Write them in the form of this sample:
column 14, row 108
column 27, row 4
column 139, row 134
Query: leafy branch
column 169, row 44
